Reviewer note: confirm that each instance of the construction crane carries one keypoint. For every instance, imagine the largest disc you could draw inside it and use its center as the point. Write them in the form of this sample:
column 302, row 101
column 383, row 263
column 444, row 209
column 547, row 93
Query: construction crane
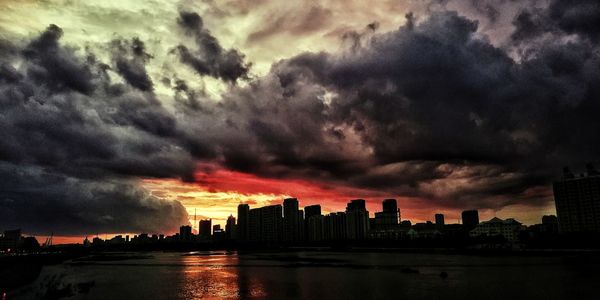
column 48, row 241
column 194, row 225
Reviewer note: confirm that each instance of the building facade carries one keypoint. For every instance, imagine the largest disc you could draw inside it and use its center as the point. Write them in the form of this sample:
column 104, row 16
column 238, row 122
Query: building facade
column 291, row 230
column 357, row 220
column 439, row 220
column 577, row 201
column 204, row 228
column 265, row 224
column 470, row 218
column 389, row 217
column 334, row 226
column 508, row 228
column 231, row 228
column 242, row 222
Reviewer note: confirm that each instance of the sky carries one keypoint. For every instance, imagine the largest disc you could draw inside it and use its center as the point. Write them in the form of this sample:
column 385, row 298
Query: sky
column 139, row 116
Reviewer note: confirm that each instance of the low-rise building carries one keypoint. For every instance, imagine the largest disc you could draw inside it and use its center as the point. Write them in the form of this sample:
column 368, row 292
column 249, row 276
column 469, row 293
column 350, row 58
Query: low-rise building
column 508, row 228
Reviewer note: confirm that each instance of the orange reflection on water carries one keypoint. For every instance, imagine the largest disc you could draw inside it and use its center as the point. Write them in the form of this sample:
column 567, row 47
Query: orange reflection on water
column 217, row 276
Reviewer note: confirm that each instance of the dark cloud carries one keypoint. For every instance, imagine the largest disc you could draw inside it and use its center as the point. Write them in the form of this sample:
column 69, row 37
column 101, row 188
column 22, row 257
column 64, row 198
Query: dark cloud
column 210, row 58
column 576, row 16
column 63, row 118
column 55, row 66
column 43, row 203
column 425, row 102
column 559, row 18
column 130, row 60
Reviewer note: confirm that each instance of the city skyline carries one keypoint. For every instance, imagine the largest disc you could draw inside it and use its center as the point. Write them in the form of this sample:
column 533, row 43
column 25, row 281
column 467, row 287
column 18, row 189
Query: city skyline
column 574, row 196
column 287, row 224
column 387, row 217
column 454, row 218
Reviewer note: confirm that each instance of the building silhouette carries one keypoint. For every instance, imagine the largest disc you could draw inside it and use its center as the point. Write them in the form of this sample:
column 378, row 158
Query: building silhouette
column 335, row 227
column 265, row 224
column 508, row 228
column 439, row 220
column 357, row 220
column 389, row 217
column 577, row 201
column 185, row 233
column 230, row 228
column 550, row 224
column 291, row 222
column 242, row 222
column 301, row 227
column 470, row 218
column 315, row 228
column 218, row 234
column 204, row 228
column 314, row 222
column 312, row 210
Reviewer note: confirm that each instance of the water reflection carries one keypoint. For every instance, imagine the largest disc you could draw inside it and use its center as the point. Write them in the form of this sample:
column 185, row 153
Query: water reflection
column 316, row 275
column 214, row 275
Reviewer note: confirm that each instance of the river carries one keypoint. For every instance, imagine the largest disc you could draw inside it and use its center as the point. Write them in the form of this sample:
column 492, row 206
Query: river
column 317, row 275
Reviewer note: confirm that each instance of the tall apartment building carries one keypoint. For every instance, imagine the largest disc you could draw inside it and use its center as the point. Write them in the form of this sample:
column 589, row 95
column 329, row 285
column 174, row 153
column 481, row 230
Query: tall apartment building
column 389, row 217
column 357, row 220
column 335, row 227
column 242, row 222
column 577, row 200
column 470, row 218
column 291, row 224
column 265, row 224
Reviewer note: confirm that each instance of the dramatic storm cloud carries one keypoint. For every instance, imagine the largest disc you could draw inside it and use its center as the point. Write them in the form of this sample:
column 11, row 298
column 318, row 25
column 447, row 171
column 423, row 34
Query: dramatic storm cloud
column 70, row 140
column 439, row 112
column 51, row 203
column 210, row 58
column 459, row 104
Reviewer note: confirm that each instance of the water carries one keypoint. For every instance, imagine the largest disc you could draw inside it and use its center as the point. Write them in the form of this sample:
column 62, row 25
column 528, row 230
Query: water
column 318, row 275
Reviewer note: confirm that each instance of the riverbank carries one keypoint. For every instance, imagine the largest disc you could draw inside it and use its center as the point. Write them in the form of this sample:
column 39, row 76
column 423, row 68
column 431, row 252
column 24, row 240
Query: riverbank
column 20, row 269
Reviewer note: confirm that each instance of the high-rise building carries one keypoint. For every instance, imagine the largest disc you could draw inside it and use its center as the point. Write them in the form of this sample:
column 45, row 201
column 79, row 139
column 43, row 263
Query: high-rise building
column 265, row 224
column 314, row 228
column 577, row 201
column 550, row 224
column 230, row 227
column 312, row 210
column 335, row 227
column 439, row 220
column 357, row 220
column 205, row 228
column 390, row 205
column 290, row 220
column 242, row 222
column 388, row 218
column 356, row 204
column 185, row 233
column 470, row 218
column 300, row 226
